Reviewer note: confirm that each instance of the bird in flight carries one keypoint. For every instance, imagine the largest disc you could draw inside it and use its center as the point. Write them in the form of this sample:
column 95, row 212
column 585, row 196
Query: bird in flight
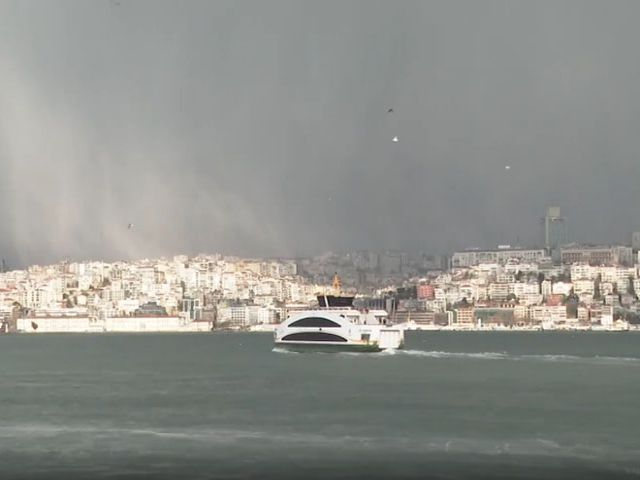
column 390, row 110
column 130, row 226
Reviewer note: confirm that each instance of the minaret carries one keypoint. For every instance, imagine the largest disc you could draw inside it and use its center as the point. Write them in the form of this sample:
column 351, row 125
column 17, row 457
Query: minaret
column 337, row 283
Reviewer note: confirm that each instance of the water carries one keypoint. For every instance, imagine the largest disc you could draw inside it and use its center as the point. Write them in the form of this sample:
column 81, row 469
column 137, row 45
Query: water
column 452, row 405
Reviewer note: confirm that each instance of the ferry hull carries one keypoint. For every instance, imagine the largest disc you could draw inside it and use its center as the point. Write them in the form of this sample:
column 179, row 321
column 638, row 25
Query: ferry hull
column 327, row 347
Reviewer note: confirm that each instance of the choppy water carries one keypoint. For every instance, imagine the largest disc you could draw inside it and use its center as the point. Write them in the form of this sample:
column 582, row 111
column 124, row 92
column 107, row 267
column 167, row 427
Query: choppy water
column 452, row 405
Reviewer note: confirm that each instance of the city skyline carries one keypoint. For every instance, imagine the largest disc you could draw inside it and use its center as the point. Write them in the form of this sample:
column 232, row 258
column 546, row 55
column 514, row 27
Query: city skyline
column 549, row 231
column 587, row 288
column 8, row 265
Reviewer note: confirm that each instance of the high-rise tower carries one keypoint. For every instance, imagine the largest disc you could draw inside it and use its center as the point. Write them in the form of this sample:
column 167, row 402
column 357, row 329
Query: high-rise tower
column 555, row 229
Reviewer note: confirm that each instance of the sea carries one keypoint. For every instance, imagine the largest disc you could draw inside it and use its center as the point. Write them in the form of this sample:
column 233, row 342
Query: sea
column 451, row 405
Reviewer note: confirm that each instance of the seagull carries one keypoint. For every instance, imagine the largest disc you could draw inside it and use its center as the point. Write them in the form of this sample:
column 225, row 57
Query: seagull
column 395, row 139
column 507, row 167
column 130, row 226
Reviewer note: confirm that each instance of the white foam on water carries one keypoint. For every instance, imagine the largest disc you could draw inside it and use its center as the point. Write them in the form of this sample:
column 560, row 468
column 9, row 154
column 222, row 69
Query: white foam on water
column 618, row 359
column 383, row 353
column 284, row 351
column 84, row 437
column 595, row 360
column 205, row 435
column 441, row 354
column 389, row 351
column 524, row 446
column 510, row 446
column 438, row 354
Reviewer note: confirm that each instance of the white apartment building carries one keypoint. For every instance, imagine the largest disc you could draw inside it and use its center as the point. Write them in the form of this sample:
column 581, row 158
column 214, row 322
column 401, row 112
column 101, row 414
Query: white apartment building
column 504, row 277
column 521, row 289
column 530, row 299
column 561, row 288
column 584, row 286
column 469, row 258
column 548, row 313
column 606, row 288
column 498, row 291
column 526, row 268
column 583, row 271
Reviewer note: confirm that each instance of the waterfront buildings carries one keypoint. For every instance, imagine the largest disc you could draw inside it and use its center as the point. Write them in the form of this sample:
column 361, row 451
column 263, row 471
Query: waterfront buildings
column 177, row 294
column 505, row 287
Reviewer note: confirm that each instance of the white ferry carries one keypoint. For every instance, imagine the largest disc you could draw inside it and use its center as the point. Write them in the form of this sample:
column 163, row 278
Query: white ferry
column 337, row 326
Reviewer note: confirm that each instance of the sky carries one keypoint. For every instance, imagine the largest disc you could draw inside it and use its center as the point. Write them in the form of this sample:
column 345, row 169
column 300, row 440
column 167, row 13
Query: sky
column 261, row 128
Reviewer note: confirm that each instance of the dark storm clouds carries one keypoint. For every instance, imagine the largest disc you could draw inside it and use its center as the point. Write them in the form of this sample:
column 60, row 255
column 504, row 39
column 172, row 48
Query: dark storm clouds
column 260, row 127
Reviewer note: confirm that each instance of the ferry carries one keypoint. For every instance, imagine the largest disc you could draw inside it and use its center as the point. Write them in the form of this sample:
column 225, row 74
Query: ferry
column 337, row 326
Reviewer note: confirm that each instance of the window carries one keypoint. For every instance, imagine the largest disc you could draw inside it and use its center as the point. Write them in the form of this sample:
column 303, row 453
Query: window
column 314, row 337
column 315, row 322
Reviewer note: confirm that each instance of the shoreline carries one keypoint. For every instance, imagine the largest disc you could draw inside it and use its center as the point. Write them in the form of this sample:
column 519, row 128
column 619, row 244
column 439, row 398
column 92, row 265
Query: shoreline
column 432, row 328
column 422, row 328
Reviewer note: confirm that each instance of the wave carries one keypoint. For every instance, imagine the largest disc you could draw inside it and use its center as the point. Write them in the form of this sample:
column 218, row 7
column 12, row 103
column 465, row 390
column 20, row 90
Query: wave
column 84, row 440
column 284, row 351
column 618, row 359
column 439, row 354
column 46, row 430
column 530, row 446
column 593, row 360
column 78, row 432
column 597, row 359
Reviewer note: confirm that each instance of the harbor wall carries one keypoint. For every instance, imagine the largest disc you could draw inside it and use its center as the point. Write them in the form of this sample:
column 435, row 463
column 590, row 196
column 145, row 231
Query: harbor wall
column 110, row 324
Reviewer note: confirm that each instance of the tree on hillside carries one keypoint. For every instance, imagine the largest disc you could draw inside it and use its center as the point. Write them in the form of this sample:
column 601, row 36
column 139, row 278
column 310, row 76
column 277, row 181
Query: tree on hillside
column 597, row 294
column 512, row 298
column 631, row 289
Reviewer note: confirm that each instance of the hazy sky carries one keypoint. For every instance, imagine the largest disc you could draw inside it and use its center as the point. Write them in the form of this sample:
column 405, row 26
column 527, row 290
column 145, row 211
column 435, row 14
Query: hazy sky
column 261, row 127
